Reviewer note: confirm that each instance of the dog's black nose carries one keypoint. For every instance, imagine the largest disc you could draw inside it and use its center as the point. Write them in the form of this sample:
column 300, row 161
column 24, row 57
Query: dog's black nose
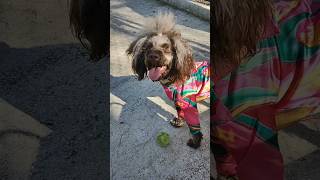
column 154, row 56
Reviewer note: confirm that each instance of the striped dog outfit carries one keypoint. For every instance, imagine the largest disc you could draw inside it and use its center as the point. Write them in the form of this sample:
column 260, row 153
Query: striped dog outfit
column 186, row 96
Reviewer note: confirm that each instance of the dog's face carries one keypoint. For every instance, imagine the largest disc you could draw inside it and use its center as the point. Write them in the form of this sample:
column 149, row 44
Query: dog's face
column 158, row 56
column 161, row 54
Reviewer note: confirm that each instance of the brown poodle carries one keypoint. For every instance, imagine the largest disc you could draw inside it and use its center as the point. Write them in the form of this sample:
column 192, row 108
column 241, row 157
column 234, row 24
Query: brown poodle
column 161, row 54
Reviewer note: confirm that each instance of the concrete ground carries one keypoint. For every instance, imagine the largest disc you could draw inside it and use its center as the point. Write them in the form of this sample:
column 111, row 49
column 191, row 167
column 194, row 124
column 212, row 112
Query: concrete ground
column 299, row 145
column 197, row 8
column 140, row 109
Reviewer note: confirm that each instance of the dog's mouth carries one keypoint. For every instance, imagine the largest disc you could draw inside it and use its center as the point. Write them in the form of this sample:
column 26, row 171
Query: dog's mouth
column 157, row 65
column 156, row 73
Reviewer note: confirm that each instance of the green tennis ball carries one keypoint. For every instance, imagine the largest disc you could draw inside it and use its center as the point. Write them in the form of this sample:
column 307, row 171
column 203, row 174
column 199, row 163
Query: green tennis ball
column 163, row 139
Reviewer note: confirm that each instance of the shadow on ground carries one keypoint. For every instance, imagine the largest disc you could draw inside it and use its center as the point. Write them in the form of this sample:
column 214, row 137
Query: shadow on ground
column 307, row 166
column 65, row 95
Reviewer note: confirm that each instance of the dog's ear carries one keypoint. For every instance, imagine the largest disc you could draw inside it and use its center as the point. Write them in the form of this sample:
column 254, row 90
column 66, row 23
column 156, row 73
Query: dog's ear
column 137, row 52
column 88, row 24
column 183, row 60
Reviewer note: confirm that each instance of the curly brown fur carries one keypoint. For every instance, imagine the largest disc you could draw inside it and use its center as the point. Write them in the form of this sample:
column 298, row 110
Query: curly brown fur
column 88, row 22
column 137, row 51
column 161, row 40
column 237, row 27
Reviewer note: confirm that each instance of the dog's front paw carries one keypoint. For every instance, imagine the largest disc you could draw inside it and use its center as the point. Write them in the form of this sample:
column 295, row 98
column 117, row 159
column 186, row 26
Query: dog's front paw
column 177, row 122
column 195, row 141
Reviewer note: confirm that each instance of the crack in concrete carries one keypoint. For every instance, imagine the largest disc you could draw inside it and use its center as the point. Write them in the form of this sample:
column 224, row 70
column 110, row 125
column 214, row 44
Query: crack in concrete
column 121, row 136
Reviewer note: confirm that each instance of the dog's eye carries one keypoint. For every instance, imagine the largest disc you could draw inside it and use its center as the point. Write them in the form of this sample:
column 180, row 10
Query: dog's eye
column 148, row 46
column 165, row 46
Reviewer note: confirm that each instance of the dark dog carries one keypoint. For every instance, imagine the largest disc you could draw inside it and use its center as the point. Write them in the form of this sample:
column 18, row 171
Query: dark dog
column 88, row 21
column 163, row 55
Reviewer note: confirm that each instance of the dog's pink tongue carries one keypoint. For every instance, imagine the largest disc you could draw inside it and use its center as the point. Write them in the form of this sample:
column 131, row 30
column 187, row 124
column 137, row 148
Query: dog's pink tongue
column 155, row 73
